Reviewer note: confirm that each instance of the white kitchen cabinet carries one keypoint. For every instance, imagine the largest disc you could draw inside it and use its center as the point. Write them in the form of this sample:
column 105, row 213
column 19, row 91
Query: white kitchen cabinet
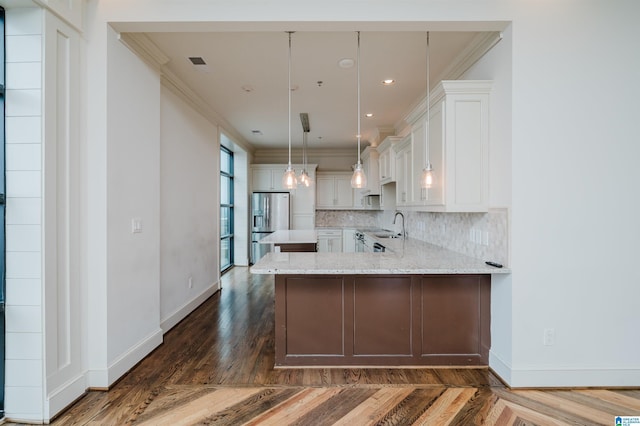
column 333, row 191
column 348, row 240
column 386, row 160
column 329, row 240
column 458, row 148
column 268, row 177
column 403, row 162
column 368, row 197
column 303, row 202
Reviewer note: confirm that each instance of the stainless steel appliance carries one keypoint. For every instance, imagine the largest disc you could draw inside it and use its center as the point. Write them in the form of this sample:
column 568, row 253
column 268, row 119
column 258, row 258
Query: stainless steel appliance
column 269, row 213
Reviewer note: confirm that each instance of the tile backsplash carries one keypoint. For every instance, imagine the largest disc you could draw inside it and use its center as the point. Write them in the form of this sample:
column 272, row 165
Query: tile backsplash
column 343, row 218
column 481, row 235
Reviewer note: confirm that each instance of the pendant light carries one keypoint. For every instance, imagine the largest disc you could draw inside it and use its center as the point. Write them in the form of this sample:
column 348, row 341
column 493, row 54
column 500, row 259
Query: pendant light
column 426, row 180
column 359, row 178
column 289, row 180
column 304, row 178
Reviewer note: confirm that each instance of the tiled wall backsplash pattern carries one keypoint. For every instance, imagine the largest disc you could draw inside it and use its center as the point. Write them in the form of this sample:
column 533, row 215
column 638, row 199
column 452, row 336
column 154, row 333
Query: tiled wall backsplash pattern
column 347, row 218
column 483, row 236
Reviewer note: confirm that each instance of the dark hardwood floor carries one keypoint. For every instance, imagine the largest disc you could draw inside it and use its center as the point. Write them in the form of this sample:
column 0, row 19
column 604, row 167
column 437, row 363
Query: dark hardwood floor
column 216, row 367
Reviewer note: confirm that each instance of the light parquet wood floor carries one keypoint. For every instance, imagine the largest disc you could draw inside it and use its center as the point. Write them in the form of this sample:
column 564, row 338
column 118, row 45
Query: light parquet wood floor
column 216, row 368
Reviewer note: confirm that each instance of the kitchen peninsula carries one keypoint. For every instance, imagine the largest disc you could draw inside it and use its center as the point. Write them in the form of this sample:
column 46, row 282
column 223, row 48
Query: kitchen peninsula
column 415, row 304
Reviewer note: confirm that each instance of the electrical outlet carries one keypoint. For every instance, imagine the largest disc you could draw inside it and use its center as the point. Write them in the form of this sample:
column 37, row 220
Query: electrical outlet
column 190, row 282
column 549, row 336
column 485, row 238
column 472, row 235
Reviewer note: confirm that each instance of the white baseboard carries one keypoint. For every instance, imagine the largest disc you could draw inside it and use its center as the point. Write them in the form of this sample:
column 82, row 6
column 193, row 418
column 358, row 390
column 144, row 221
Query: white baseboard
column 104, row 378
column 574, row 377
column 180, row 313
column 65, row 395
column 500, row 367
column 567, row 377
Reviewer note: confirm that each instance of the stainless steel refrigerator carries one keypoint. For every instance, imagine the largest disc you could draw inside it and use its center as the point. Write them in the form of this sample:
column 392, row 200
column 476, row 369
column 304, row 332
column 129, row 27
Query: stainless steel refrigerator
column 269, row 213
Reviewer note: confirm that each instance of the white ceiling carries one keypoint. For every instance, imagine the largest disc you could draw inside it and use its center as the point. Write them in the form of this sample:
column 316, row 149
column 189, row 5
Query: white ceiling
column 258, row 60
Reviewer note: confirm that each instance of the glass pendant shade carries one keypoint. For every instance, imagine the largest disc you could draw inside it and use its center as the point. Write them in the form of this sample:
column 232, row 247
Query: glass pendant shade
column 426, row 181
column 359, row 179
column 289, row 179
column 304, row 179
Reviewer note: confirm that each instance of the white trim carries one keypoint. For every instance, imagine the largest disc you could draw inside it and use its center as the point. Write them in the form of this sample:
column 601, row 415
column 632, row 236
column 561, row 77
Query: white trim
column 65, row 395
column 574, row 377
column 500, row 367
column 180, row 313
column 104, row 378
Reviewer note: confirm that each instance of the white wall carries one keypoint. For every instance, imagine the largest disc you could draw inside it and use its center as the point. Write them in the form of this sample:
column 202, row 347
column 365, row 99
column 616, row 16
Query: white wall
column 572, row 155
column 133, row 192
column 190, row 170
column 575, row 227
column 496, row 65
column 64, row 367
column 574, row 231
column 24, row 384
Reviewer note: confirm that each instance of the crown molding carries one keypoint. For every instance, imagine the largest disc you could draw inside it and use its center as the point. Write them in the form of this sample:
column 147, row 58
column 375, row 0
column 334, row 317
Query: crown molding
column 322, row 152
column 142, row 45
column 149, row 52
column 479, row 47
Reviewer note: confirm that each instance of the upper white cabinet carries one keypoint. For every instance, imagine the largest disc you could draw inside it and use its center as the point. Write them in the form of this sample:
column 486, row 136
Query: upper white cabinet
column 333, row 191
column 458, row 149
column 369, row 158
column 386, row 159
column 268, row 177
column 404, row 180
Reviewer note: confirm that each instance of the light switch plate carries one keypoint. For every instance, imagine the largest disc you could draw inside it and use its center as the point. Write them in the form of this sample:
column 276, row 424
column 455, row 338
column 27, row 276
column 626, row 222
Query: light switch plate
column 136, row 225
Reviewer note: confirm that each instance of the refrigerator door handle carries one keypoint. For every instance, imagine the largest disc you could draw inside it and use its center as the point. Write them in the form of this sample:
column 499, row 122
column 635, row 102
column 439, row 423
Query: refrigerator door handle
column 267, row 213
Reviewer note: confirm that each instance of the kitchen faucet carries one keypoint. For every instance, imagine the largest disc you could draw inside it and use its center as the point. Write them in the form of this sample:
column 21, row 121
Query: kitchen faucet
column 404, row 232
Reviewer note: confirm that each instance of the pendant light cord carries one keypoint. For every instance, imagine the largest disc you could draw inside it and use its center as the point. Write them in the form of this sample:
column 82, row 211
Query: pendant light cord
column 426, row 148
column 289, row 92
column 358, row 69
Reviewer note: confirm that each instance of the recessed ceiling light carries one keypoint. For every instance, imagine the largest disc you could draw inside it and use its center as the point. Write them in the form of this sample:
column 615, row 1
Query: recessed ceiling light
column 257, row 132
column 346, row 63
column 388, row 81
column 369, row 115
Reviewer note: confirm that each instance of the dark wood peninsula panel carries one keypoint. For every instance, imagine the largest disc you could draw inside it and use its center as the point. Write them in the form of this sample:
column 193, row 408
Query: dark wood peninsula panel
column 385, row 320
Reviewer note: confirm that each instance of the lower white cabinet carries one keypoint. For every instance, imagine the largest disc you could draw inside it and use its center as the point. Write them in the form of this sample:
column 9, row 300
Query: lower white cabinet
column 329, row 240
column 348, row 240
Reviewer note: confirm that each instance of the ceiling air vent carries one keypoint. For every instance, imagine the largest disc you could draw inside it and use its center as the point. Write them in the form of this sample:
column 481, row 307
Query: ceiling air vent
column 257, row 132
column 197, row 60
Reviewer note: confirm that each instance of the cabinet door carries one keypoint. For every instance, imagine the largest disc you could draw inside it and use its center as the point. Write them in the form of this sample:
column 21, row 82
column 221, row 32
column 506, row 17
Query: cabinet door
column 262, row 180
column 403, row 177
column 418, row 137
column 325, row 192
column 435, row 194
column 335, row 244
column 343, row 192
column 323, row 245
column 348, row 241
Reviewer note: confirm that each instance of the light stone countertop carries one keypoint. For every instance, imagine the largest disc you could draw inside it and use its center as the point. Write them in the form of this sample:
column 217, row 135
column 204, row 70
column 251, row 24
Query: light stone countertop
column 290, row 237
column 402, row 257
